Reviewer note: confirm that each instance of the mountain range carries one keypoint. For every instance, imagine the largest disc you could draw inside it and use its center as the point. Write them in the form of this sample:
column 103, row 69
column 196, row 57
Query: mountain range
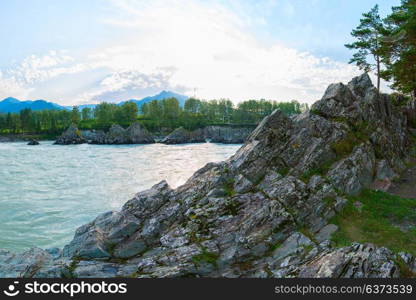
column 14, row 105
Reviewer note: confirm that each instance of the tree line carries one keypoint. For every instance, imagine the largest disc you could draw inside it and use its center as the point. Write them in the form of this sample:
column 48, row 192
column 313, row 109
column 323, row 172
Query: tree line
column 156, row 116
column 387, row 46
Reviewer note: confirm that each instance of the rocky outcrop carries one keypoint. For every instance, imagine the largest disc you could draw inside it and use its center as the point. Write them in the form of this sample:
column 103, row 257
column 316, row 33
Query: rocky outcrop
column 71, row 136
column 262, row 213
column 134, row 134
column 33, row 142
column 182, row 136
column 227, row 134
column 215, row 134
column 10, row 139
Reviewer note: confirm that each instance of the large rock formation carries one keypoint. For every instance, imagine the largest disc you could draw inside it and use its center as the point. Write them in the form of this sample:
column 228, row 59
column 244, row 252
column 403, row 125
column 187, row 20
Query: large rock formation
column 181, row 136
column 71, row 136
column 216, row 134
column 134, row 134
column 262, row 213
column 227, row 134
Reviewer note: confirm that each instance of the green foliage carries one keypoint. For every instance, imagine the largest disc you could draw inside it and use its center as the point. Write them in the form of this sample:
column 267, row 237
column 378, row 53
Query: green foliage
column 345, row 146
column 231, row 207
column 378, row 221
column 319, row 170
column 368, row 35
column 229, row 187
column 157, row 116
column 275, row 246
column 205, row 257
column 75, row 115
column 284, row 171
column 405, row 271
column 400, row 48
column 329, row 201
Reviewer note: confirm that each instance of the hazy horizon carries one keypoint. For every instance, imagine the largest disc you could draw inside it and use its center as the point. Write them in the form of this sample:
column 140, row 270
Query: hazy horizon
column 75, row 52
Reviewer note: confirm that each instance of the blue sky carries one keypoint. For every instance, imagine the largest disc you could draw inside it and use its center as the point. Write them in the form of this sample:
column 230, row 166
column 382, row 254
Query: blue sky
column 78, row 51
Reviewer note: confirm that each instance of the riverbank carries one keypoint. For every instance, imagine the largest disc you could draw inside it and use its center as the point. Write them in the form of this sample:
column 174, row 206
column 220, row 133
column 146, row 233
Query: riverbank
column 8, row 138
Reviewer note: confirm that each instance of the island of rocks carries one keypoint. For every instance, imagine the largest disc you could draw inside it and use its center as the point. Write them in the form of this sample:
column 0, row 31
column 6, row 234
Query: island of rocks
column 255, row 214
column 136, row 134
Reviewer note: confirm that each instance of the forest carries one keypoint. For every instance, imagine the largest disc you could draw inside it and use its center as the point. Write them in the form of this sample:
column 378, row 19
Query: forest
column 156, row 116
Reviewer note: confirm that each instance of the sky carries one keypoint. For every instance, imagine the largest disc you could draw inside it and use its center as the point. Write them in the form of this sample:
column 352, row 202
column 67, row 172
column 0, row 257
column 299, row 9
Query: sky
column 76, row 52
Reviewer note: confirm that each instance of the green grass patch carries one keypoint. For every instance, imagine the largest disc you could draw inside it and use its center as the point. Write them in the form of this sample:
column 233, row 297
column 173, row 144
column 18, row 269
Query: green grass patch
column 320, row 170
column 283, row 171
column 205, row 257
column 329, row 201
column 229, row 187
column 377, row 222
column 345, row 146
column 231, row 207
column 275, row 246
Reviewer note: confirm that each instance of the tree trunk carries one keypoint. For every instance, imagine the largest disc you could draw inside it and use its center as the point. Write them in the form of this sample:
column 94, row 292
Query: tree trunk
column 378, row 74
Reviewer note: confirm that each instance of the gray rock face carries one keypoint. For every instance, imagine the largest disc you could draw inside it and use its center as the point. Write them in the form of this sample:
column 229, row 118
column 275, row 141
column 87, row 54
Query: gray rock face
column 215, row 134
column 134, row 134
column 71, row 136
column 182, row 136
column 227, row 134
column 264, row 212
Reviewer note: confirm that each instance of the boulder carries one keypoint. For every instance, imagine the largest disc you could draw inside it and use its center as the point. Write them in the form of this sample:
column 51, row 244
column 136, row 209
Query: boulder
column 136, row 134
column 181, row 136
column 227, row 134
column 33, row 142
column 71, row 136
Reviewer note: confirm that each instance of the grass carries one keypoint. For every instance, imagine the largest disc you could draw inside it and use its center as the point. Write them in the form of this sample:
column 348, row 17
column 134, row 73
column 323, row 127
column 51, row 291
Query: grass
column 359, row 133
column 329, row 201
column 205, row 257
column 344, row 147
column 283, row 171
column 275, row 246
column 229, row 187
column 320, row 170
column 231, row 207
column 377, row 222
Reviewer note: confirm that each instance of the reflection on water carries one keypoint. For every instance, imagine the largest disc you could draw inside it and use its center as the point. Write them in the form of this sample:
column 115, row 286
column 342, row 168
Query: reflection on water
column 47, row 191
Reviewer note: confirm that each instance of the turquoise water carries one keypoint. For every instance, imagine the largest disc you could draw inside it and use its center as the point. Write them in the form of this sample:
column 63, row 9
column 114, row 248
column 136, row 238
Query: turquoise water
column 47, row 191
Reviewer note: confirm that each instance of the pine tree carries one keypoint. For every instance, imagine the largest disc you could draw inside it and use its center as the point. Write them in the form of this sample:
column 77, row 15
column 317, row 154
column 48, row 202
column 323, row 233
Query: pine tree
column 400, row 48
column 369, row 35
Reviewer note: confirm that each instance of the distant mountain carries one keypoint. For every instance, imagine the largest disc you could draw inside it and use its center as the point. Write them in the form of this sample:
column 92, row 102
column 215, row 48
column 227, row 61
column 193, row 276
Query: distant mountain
column 162, row 95
column 14, row 105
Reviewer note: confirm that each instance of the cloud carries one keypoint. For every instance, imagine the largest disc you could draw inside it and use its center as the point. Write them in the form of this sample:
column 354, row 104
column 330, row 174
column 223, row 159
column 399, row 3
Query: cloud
column 179, row 45
column 125, row 85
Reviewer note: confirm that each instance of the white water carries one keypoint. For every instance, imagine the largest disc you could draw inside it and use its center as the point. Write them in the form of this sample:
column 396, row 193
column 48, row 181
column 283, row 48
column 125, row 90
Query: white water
column 47, row 191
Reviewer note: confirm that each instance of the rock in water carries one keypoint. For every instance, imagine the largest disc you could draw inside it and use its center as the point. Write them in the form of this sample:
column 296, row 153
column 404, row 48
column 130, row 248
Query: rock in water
column 71, row 136
column 33, row 142
column 116, row 135
column 215, row 134
column 181, row 136
column 136, row 134
column 264, row 212
column 227, row 134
